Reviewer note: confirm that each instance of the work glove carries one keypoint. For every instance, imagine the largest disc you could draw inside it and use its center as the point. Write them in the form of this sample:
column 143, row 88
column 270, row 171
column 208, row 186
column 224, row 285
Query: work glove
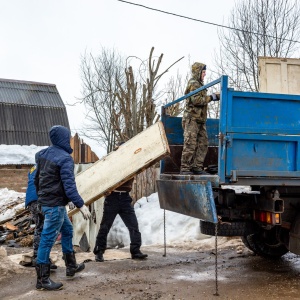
column 85, row 212
column 71, row 205
column 215, row 97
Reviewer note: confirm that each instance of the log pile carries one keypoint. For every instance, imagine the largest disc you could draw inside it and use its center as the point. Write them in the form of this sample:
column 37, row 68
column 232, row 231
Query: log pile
column 18, row 230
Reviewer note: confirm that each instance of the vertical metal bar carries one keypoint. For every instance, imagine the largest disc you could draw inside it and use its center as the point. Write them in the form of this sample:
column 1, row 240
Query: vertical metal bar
column 222, row 127
column 216, row 260
column 165, row 238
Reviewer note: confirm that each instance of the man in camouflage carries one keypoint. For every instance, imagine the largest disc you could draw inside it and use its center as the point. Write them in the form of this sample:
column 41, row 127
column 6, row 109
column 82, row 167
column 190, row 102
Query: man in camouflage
column 194, row 123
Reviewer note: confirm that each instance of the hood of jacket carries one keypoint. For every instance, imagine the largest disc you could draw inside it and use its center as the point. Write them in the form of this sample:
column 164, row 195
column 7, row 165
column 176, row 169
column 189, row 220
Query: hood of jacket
column 197, row 68
column 60, row 137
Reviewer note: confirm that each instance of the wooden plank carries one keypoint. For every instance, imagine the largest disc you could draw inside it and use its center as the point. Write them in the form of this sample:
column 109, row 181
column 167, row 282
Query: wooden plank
column 137, row 154
column 75, row 144
column 89, row 154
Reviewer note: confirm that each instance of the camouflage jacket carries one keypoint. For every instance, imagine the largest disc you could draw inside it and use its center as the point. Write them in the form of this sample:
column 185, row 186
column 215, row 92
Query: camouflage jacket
column 196, row 105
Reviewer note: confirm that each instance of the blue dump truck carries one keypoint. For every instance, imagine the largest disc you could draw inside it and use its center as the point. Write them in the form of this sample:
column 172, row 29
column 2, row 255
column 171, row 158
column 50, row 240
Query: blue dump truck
column 255, row 144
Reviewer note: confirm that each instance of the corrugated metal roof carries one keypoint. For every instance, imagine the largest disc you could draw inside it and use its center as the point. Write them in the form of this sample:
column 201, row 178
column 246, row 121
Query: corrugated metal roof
column 29, row 93
column 28, row 110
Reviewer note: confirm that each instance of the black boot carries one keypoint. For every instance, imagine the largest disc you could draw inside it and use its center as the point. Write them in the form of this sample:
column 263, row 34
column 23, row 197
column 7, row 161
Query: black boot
column 43, row 279
column 53, row 266
column 99, row 256
column 71, row 266
column 139, row 255
column 33, row 261
column 197, row 171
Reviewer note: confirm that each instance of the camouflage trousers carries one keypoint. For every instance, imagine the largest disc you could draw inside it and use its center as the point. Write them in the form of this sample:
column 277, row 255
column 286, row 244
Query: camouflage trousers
column 38, row 219
column 195, row 145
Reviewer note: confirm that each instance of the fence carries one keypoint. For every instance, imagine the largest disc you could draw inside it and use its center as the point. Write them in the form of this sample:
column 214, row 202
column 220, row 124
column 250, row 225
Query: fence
column 82, row 152
column 145, row 183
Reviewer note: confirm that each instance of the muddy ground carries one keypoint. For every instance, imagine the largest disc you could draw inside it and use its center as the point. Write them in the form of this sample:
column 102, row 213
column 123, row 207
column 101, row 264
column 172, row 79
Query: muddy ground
column 182, row 274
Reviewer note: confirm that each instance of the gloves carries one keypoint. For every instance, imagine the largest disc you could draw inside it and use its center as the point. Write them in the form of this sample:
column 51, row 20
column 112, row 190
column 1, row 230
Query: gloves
column 215, row 97
column 71, row 205
column 85, row 212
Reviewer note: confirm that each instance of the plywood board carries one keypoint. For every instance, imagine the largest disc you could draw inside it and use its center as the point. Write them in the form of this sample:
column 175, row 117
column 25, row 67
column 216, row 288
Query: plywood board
column 279, row 75
column 137, row 154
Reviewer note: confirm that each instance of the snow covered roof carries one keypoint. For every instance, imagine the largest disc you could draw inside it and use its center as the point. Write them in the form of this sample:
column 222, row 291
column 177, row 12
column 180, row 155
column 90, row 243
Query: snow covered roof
column 18, row 155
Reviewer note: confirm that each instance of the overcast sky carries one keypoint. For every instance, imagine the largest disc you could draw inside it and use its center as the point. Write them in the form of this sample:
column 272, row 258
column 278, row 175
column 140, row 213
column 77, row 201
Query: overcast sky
column 42, row 40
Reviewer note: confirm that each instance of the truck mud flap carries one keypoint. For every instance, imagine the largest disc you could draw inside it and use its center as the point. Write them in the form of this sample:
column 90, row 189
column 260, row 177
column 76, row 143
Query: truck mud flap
column 188, row 195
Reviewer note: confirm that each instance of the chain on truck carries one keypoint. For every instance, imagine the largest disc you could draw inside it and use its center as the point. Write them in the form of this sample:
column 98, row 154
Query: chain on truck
column 255, row 144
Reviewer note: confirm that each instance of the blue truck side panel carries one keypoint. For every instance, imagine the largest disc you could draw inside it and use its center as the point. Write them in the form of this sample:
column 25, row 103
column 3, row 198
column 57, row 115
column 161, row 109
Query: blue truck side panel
column 260, row 138
column 174, row 130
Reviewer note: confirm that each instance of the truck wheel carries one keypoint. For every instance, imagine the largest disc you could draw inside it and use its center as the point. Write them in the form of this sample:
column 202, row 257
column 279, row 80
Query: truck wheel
column 265, row 244
column 246, row 243
column 225, row 229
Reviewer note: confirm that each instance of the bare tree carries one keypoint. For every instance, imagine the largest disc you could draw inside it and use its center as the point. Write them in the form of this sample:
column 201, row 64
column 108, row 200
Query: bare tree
column 99, row 75
column 138, row 97
column 120, row 101
column 262, row 28
column 174, row 89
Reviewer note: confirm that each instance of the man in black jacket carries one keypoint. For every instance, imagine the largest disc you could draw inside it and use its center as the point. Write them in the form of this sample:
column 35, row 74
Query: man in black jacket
column 119, row 202
column 55, row 186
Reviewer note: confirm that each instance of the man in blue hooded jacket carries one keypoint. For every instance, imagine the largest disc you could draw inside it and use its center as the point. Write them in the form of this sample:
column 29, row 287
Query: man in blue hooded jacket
column 56, row 186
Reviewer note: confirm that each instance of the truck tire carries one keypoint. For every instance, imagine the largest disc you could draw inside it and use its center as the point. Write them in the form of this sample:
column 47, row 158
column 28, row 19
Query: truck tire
column 246, row 243
column 266, row 245
column 225, row 229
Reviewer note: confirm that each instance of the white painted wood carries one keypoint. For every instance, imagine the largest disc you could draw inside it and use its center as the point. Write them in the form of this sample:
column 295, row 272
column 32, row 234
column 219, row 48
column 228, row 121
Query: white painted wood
column 279, row 75
column 140, row 152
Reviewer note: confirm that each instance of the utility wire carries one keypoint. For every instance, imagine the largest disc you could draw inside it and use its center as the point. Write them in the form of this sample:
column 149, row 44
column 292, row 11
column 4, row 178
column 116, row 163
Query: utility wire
column 206, row 22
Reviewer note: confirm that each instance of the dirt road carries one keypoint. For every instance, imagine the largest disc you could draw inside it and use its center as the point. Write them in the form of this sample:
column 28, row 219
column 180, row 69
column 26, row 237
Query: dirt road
column 181, row 274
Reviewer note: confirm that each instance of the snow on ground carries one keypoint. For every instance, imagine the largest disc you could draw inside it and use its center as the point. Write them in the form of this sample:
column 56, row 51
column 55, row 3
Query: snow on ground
column 179, row 228
column 8, row 197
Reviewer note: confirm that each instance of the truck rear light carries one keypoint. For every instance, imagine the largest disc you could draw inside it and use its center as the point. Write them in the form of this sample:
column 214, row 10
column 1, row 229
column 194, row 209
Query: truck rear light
column 267, row 217
column 277, row 219
column 262, row 216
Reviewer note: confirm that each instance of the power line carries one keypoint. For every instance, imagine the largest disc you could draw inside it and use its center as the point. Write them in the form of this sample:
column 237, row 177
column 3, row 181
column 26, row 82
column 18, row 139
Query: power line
column 206, row 22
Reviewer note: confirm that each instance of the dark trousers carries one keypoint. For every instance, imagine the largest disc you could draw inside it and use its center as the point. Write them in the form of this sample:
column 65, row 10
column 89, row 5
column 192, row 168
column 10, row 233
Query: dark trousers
column 114, row 204
column 38, row 219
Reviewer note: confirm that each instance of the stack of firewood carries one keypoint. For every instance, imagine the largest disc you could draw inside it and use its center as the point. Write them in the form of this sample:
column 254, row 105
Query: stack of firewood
column 17, row 231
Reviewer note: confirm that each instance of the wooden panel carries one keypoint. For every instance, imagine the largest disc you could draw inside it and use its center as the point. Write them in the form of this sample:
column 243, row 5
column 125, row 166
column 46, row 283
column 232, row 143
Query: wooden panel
column 75, row 145
column 140, row 152
column 279, row 75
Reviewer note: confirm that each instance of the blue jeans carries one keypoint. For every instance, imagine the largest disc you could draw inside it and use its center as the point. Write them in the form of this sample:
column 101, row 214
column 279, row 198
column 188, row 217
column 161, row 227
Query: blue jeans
column 56, row 221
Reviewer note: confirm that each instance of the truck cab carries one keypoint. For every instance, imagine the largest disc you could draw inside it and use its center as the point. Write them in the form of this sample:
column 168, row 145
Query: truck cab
column 254, row 164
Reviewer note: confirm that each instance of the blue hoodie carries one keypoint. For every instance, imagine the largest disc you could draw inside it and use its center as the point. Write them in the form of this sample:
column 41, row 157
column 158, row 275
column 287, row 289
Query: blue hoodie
column 31, row 194
column 55, row 180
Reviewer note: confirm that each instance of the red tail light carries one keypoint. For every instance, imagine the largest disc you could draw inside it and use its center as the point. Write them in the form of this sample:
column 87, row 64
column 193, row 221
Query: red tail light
column 267, row 217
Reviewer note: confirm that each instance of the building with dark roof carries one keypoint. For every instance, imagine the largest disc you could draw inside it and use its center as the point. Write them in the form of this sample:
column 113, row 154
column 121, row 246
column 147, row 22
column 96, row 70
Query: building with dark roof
column 28, row 110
